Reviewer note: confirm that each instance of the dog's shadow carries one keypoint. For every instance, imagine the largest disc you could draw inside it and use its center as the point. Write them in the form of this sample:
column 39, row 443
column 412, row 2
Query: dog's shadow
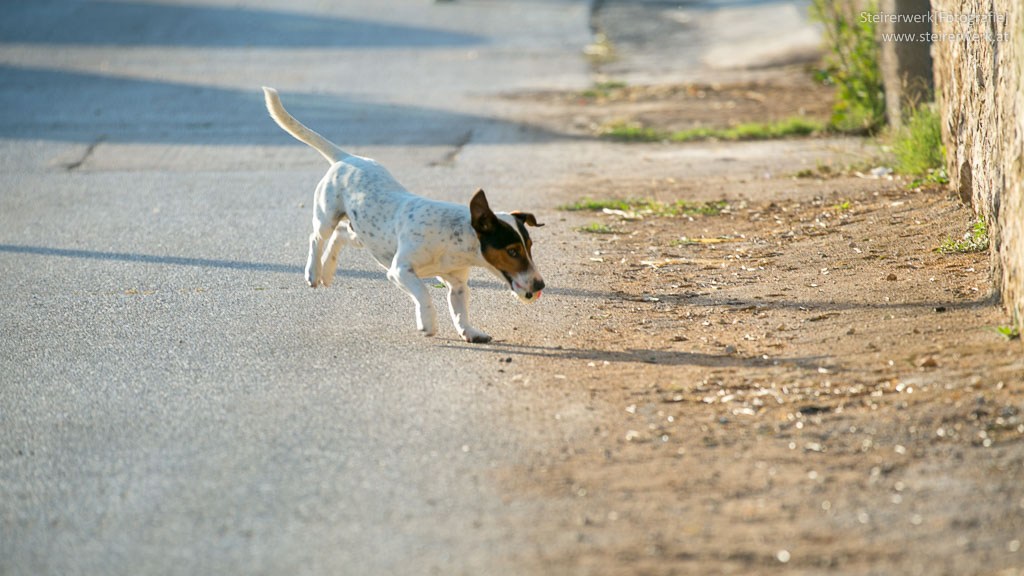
column 640, row 356
column 256, row 266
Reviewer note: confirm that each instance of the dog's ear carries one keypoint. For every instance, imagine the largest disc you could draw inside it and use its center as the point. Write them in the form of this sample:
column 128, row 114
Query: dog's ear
column 480, row 212
column 526, row 218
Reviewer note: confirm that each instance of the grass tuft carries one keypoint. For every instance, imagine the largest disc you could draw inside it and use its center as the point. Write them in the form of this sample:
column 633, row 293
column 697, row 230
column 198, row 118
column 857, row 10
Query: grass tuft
column 604, row 90
column 591, row 205
column 624, row 132
column 852, row 64
column 936, row 176
column 677, row 208
column 595, row 228
column 918, row 143
column 795, row 126
column 1007, row 332
column 974, row 241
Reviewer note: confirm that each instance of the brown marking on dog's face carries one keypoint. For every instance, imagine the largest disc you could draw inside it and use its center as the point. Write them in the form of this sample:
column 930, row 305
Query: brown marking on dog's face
column 505, row 245
column 510, row 260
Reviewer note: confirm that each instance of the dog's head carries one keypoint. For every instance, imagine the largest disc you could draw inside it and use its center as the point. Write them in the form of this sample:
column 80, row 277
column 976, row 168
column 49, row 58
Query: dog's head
column 506, row 246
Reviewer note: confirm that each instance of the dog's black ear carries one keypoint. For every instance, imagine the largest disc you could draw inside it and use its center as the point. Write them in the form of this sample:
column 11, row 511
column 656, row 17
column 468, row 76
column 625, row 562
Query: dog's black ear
column 480, row 212
column 526, row 218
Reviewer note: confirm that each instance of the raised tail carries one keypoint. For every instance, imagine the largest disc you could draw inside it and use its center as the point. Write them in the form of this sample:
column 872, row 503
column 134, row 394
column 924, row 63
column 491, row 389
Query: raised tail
column 292, row 126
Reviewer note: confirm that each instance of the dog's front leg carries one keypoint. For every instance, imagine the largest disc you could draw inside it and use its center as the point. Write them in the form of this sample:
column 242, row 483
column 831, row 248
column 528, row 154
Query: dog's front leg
column 458, row 305
column 343, row 236
column 403, row 275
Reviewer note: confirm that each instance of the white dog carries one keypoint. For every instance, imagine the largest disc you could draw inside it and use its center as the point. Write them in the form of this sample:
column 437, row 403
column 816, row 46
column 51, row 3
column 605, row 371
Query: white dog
column 358, row 202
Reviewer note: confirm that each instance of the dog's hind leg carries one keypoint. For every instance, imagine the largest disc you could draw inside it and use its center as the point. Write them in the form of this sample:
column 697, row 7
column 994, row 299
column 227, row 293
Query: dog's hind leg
column 322, row 230
column 343, row 236
column 458, row 305
column 328, row 210
column 403, row 275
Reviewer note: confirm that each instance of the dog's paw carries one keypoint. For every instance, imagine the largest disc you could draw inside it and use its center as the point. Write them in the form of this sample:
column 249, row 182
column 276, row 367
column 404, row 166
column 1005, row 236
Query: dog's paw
column 474, row 336
column 427, row 328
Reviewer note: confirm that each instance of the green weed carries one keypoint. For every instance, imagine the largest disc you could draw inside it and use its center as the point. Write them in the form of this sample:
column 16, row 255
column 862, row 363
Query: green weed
column 603, row 90
column 974, row 241
column 936, row 176
column 595, row 228
column 591, row 205
column 1007, row 332
column 795, row 126
column 918, row 143
column 677, row 208
column 852, row 65
column 694, row 208
column 632, row 133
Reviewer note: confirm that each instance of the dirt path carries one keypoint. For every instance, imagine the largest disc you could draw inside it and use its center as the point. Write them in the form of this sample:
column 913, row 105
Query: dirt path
column 791, row 381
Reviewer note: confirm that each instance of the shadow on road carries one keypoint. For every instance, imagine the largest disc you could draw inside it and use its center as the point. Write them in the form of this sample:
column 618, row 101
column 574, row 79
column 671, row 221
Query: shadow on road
column 150, row 259
column 43, row 104
column 255, row 266
column 825, row 309
column 660, row 357
column 145, row 24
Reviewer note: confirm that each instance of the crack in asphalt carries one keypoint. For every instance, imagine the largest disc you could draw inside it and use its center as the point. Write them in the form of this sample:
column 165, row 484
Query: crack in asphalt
column 449, row 158
column 72, row 166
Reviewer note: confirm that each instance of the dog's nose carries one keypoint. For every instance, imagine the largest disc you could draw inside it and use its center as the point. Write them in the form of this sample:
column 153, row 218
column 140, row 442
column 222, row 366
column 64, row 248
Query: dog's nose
column 538, row 285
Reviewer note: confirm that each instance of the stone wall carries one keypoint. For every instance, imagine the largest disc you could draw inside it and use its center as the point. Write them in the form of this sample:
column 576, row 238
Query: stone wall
column 979, row 86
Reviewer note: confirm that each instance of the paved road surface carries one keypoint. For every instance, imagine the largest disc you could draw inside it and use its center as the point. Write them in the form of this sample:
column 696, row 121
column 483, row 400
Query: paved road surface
column 706, row 40
column 173, row 399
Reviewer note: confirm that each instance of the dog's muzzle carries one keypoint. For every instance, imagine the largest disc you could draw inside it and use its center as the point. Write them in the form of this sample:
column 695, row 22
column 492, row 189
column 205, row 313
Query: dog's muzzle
column 529, row 293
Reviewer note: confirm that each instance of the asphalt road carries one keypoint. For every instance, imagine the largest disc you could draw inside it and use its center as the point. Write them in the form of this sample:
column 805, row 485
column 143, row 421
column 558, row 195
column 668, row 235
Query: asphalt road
column 706, row 41
column 173, row 398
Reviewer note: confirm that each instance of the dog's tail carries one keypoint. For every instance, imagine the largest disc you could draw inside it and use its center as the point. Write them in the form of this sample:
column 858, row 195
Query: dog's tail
column 292, row 126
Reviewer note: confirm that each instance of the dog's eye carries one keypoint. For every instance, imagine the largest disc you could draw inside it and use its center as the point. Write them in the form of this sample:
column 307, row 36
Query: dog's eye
column 513, row 252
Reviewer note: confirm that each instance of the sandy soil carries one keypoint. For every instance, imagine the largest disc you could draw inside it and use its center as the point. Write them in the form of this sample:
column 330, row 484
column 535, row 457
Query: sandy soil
column 679, row 107
column 798, row 384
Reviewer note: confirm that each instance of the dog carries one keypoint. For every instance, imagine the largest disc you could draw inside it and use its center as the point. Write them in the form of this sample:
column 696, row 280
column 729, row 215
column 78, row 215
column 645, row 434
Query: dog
column 359, row 203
